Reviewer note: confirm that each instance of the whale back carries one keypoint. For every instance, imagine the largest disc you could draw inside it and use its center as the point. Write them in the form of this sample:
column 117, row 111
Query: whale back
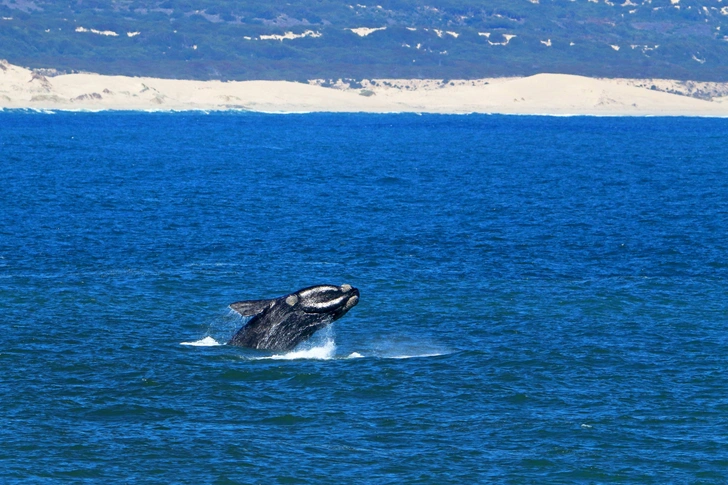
column 279, row 327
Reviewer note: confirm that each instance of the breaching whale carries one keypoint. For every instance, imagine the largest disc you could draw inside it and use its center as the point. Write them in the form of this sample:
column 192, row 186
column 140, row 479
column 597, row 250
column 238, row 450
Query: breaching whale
column 284, row 322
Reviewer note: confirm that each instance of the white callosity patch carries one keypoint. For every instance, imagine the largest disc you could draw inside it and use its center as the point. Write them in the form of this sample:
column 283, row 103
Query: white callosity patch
column 312, row 292
column 324, row 304
column 326, row 297
column 351, row 302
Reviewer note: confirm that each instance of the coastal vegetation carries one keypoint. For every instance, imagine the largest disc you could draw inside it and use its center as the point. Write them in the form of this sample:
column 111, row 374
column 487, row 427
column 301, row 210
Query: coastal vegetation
column 323, row 39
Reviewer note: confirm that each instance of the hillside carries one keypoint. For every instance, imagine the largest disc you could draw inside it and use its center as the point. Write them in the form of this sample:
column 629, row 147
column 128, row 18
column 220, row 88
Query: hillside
column 322, row 39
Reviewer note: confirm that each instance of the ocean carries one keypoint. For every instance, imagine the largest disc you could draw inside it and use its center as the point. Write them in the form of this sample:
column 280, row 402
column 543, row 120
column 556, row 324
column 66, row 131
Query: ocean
column 543, row 299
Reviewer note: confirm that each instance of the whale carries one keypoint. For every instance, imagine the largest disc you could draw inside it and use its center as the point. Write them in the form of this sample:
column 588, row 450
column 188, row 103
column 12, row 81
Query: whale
column 284, row 322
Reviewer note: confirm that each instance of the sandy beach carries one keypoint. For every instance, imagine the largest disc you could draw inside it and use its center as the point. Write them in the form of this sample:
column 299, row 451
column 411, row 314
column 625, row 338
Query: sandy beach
column 542, row 94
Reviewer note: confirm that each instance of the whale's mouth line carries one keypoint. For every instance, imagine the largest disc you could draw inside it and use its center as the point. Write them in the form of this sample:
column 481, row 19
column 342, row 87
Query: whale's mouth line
column 330, row 310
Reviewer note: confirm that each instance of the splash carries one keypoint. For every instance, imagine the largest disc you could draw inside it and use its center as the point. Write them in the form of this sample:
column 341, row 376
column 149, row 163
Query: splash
column 326, row 351
column 205, row 342
column 322, row 345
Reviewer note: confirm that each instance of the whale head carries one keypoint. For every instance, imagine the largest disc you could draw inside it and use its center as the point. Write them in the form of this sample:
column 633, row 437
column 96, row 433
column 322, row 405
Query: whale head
column 284, row 322
column 325, row 299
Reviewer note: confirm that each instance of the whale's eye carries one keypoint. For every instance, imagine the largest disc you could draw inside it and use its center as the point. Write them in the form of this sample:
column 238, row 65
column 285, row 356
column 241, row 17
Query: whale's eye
column 292, row 300
column 346, row 287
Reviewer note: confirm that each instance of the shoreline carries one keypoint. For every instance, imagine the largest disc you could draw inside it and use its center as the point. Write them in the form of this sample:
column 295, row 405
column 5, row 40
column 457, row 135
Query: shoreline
column 538, row 95
column 51, row 111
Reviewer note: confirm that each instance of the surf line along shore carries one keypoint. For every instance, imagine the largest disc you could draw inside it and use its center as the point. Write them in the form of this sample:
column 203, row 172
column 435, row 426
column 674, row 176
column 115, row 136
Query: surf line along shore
column 541, row 94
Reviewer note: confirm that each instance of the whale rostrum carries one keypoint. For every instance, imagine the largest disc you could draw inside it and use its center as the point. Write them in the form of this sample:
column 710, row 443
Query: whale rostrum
column 284, row 322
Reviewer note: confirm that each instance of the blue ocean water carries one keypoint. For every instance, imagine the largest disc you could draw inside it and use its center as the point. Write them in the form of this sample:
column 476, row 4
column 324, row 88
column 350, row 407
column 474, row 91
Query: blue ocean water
column 543, row 300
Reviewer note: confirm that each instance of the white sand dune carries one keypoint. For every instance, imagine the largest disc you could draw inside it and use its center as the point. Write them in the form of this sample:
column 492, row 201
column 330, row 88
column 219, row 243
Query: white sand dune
column 548, row 94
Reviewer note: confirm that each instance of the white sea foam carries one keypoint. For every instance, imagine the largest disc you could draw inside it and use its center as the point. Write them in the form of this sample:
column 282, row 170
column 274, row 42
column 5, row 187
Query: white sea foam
column 205, row 342
column 406, row 347
column 357, row 355
column 321, row 347
column 412, row 356
column 320, row 352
